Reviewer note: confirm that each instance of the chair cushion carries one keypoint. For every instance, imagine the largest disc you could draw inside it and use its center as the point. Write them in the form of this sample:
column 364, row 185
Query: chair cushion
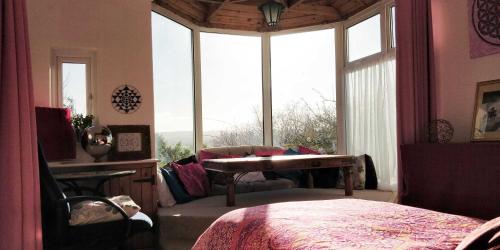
column 111, row 231
column 141, row 223
column 89, row 212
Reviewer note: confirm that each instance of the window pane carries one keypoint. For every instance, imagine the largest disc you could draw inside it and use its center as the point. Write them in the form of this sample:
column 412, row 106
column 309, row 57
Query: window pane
column 364, row 38
column 303, row 90
column 173, row 89
column 231, row 71
column 74, row 87
column 393, row 27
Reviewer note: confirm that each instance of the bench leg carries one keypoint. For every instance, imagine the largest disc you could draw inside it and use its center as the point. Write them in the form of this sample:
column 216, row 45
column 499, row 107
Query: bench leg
column 230, row 196
column 347, row 181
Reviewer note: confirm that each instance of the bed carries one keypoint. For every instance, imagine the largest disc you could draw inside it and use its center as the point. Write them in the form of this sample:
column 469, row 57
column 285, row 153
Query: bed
column 336, row 224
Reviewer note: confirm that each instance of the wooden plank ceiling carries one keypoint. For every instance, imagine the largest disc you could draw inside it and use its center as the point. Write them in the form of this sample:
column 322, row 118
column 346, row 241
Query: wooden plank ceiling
column 245, row 15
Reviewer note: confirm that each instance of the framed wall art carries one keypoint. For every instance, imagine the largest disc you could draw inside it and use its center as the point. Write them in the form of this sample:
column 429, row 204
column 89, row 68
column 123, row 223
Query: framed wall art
column 130, row 142
column 486, row 126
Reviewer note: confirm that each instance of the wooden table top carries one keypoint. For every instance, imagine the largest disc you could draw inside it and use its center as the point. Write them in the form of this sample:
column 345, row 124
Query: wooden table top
column 93, row 174
column 280, row 162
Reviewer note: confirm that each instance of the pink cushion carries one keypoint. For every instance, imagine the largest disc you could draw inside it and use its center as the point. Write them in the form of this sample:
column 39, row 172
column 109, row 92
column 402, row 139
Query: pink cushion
column 194, row 178
column 205, row 155
column 270, row 152
column 306, row 150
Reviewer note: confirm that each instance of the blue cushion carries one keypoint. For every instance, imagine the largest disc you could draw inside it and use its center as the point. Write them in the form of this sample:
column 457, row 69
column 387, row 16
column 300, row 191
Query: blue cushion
column 173, row 182
column 291, row 152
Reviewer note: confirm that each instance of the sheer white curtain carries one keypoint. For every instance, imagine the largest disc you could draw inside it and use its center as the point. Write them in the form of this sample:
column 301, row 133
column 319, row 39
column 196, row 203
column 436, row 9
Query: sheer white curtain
column 371, row 115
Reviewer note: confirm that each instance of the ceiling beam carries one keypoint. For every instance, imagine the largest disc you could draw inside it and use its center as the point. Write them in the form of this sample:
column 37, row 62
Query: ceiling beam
column 294, row 3
column 337, row 11
column 322, row 10
column 362, row 3
column 214, row 9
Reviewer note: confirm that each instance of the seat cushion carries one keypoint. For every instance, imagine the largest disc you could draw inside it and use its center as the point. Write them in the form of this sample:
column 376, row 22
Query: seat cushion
column 247, row 187
column 91, row 211
column 108, row 231
column 141, row 223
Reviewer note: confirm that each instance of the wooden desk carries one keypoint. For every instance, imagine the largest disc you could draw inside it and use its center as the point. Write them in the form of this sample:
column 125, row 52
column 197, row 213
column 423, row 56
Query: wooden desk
column 71, row 180
column 140, row 186
column 232, row 166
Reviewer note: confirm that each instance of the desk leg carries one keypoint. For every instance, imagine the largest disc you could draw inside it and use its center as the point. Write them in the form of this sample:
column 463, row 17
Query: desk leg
column 230, row 196
column 347, row 181
column 310, row 179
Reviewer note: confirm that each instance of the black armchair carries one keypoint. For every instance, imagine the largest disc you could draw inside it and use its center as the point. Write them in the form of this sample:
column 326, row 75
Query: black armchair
column 59, row 234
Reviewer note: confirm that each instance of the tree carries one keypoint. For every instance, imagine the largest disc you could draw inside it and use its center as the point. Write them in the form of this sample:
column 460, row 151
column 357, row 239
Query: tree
column 167, row 153
column 299, row 123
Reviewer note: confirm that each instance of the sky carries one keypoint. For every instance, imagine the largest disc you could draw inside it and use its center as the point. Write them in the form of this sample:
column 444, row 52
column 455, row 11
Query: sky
column 74, row 86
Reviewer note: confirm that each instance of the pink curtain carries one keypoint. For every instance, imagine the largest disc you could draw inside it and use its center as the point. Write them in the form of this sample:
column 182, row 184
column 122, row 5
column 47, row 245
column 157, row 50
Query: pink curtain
column 414, row 75
column 20, row 221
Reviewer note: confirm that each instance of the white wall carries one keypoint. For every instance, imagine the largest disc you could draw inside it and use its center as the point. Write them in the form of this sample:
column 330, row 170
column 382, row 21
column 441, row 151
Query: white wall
column 120, row 33
column 456, row 74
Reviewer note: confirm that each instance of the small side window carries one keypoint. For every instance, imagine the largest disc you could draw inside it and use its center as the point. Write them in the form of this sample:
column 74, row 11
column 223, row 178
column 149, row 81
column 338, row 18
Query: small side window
column 72, row 81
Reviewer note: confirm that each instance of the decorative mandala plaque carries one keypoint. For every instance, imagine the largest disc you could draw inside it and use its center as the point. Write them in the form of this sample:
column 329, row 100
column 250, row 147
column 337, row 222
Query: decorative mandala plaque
column 440, row 131
column 126, row 99
column 484, row 27
column 486, row 18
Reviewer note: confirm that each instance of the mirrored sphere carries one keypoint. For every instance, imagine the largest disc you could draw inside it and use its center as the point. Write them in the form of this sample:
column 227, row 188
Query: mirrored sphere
column 96, row 141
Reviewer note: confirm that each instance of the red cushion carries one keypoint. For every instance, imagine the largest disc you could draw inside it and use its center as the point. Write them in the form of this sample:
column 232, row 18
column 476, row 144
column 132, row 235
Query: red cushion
column 306, row 150
column 194, row 178
column 270, row 152
column 205, row 155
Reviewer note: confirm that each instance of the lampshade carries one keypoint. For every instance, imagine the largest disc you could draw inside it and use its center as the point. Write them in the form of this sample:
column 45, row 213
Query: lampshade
column 272, row 11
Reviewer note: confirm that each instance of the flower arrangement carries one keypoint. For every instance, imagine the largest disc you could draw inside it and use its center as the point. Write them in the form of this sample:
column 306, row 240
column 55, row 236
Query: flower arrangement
column 81, row 122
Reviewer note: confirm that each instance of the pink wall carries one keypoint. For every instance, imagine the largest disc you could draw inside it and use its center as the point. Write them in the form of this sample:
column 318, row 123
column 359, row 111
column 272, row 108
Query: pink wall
column 456, row 74
column 119, row 31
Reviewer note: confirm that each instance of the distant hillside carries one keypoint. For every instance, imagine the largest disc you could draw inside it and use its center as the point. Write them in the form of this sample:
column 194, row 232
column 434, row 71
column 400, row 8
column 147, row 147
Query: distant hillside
column 186, row 137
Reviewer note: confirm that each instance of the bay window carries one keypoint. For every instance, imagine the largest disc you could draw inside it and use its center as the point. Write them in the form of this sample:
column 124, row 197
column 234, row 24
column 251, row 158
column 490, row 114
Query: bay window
column 231, row 75
column 304, row 90
column 330, row 88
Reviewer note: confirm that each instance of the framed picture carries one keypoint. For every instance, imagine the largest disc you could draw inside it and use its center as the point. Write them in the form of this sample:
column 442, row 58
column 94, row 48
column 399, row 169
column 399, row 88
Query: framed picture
column 130, row 142
column 486, row 125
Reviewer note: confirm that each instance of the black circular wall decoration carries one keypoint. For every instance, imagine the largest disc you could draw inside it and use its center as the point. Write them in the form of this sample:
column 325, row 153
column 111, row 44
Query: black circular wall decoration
column 486, row 20
column 126, row 99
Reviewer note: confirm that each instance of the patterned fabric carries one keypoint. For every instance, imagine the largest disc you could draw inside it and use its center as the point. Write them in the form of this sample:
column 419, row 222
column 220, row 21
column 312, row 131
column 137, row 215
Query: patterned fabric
column 88, row 212
column 336, row 224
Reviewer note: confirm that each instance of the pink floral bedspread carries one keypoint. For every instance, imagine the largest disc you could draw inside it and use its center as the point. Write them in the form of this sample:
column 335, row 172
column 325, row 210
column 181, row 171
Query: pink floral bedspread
column 336, row 224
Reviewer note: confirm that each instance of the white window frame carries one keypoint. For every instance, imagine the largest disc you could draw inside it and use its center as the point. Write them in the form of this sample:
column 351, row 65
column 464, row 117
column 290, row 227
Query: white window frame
column 382, row 8
column 77, row 56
